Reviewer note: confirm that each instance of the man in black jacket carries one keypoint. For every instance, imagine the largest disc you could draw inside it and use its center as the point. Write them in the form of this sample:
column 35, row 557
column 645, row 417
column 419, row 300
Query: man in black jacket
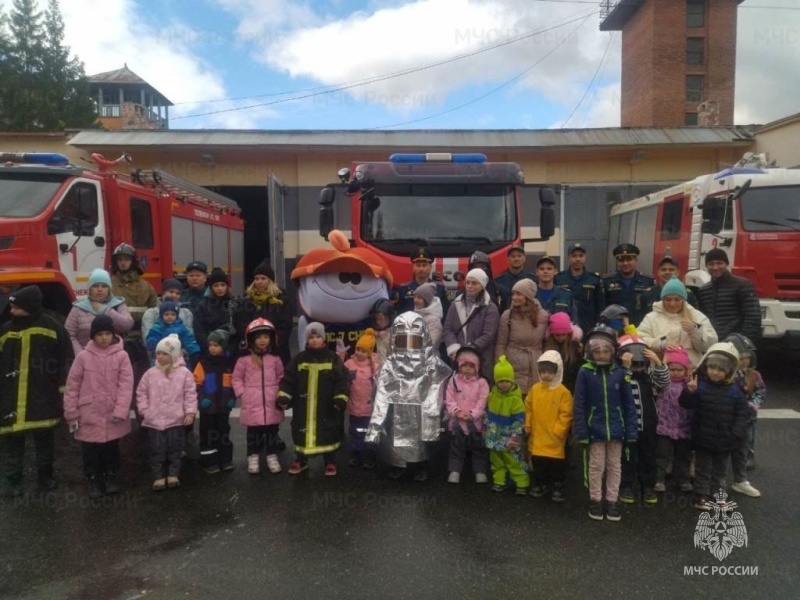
column 730, row 302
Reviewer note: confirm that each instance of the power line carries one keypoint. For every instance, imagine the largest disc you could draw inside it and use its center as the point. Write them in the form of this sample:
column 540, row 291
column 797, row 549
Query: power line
column 496, row 89
column 323, row 90
column 591, row 82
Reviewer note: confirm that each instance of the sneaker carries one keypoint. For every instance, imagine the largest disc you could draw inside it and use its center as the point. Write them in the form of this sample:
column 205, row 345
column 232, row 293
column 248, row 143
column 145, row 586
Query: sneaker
column 481, row 478
column 421, row 474
column 396, row 472
column 369, row 464
column 659, row 487
column 521, row 491
column 686, row 487
column 273, row 464
column 557, row 495
column 649, row 496
column 699, row 502
column 94, row 488
column 499, row 488
column 159, row 485
column 330, row 469
column 744, row 487
column 298, row 467
column 111, row 484
column 354, row 461
column 596, row 510
column 228, row 467
column 454, row 477
column 612, row 512
column 173, row 482
column 212, row 469
column 626, row 496
column 539, row 491
column 252, row 464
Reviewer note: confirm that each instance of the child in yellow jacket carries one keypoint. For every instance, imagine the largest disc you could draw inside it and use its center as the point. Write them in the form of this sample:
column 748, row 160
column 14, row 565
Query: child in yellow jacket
column 548, row 418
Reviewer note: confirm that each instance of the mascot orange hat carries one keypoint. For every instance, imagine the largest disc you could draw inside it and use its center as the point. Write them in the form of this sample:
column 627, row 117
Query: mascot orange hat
column 341, row 258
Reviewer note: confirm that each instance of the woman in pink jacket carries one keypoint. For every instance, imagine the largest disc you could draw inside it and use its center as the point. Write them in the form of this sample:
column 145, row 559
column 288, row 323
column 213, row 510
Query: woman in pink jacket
column 99, row 301
column 167, row 401
column 97, row 404
column 465, row 397
column 255, row 383
column 362, row 368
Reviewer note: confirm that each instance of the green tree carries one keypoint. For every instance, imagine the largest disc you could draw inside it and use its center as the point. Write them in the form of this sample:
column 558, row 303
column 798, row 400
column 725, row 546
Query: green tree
column 42, row 88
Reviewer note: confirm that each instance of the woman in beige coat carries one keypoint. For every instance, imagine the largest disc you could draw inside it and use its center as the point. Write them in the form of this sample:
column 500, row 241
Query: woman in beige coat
column 675, row 323
column 521, row 333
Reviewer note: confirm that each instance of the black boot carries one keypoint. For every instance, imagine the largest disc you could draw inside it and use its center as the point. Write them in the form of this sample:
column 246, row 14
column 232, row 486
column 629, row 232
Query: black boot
column 94, row 487
column 46, row 481
column 14, row 486
column 111, row 485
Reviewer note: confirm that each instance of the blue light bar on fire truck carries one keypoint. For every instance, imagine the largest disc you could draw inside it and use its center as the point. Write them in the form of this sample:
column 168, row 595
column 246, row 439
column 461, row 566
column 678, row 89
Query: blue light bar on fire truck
column 34, row 158
column 434, row 157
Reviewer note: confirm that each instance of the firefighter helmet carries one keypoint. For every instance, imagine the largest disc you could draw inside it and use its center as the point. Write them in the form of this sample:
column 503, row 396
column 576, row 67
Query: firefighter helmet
column 744, row 345
column 636, row 346
column 125, row 250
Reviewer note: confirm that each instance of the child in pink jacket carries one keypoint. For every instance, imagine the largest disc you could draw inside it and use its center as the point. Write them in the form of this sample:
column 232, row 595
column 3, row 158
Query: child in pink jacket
column 362, row 368
column 167, row 401
column 97, row 404
column 466, row 394
column 255, row 383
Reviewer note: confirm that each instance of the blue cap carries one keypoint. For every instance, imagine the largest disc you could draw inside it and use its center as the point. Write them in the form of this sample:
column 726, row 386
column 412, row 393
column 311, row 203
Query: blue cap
column 576, row 246
column 197, row 265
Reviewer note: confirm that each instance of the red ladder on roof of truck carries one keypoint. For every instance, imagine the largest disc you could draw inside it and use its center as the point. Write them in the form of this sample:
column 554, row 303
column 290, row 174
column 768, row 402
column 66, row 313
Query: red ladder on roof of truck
column 185, row 191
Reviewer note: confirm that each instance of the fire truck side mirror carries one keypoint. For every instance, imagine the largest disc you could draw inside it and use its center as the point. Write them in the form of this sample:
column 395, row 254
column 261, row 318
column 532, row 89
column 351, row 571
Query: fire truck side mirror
column 326, row 199
column 547, row 217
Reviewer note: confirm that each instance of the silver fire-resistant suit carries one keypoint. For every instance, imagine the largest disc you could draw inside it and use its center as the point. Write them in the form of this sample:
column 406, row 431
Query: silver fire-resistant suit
column 408, row 402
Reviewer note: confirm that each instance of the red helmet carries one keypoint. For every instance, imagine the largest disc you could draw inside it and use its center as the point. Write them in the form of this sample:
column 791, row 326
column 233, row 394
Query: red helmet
column 259, row 326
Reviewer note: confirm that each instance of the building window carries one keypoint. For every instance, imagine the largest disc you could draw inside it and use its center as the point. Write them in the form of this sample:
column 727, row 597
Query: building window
column 694, row 88
column 695, row 13
column 690, row 119
column 695, row 49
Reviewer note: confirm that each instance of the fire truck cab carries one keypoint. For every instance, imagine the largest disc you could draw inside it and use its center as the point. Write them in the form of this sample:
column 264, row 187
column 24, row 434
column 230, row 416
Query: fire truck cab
column 454, row 203
column 59, row 221
column 752, row 211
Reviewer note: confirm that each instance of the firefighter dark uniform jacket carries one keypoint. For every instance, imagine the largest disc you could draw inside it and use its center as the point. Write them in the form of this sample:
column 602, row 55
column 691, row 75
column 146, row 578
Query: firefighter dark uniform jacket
column 35, row 356
column 315, row 386
column 631, row 293
column 587, row 296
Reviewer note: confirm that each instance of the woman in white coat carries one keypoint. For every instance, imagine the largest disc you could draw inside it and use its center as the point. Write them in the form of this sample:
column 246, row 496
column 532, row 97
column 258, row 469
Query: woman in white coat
column 674, row 322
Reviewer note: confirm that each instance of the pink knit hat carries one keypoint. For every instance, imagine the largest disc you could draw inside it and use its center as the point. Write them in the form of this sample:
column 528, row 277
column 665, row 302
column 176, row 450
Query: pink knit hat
column 560, row 323
column 678, row 357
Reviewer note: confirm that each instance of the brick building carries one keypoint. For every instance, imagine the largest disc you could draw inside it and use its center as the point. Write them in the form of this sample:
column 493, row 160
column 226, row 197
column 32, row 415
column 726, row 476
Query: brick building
column 678, row 60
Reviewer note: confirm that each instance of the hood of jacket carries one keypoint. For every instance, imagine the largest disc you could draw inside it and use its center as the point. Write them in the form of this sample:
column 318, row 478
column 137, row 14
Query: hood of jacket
column 554, row 357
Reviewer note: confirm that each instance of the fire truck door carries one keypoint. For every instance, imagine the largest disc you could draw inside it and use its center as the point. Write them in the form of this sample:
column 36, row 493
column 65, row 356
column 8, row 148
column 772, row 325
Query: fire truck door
column 718, row 225
column 78, row 224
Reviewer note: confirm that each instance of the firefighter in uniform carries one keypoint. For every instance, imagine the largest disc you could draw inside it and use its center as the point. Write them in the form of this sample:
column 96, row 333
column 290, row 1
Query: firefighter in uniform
column 586, row 287
column 552, row 298
column 627, row 286
column 422, row 265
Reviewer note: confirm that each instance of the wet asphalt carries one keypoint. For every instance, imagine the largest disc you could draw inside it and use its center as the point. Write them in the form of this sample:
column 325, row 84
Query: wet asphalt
column 360, row 535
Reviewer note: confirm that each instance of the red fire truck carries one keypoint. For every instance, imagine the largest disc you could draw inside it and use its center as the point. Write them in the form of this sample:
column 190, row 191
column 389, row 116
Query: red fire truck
column 454, row 203
column 59, row 221
column 751, row 211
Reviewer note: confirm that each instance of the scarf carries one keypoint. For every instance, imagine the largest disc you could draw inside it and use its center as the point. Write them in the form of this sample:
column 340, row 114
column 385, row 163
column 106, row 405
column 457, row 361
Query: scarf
column 259, row 298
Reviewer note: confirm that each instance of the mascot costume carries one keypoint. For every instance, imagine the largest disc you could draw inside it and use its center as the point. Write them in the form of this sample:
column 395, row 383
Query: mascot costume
column 338, row 286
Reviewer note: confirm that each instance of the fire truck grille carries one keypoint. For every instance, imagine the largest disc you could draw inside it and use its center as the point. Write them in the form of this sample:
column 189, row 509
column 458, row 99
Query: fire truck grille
column 788, row 282
column 6, row 241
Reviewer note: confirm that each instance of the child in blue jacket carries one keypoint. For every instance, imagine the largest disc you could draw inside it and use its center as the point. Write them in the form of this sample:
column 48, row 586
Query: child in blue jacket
column 169, row 322
column 604, row 418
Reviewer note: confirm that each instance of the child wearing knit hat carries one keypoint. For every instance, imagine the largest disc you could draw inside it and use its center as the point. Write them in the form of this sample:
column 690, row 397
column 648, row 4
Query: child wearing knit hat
column 674, row 429
column 466, row 394
column 318, row 411
column 362, row 368
column 548, row 419
column 166, row 408
column 169, row 323
column 213, row 375
column 505, row 422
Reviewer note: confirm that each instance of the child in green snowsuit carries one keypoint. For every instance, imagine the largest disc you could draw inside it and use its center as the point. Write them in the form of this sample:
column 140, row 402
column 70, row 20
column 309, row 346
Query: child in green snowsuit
column 505, row 423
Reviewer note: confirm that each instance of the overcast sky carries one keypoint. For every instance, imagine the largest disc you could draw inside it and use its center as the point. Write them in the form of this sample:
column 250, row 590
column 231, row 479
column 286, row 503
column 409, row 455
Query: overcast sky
column 212, row 56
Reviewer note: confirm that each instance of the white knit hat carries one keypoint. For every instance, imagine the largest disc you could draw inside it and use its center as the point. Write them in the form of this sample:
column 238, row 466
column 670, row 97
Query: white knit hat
column 480, row 275
column 171, row 345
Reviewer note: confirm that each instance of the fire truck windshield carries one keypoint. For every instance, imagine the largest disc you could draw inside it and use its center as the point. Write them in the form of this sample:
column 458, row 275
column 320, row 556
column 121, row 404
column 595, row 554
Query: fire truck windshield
column 27, row 194
column 451, row 216
column 771, row 209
